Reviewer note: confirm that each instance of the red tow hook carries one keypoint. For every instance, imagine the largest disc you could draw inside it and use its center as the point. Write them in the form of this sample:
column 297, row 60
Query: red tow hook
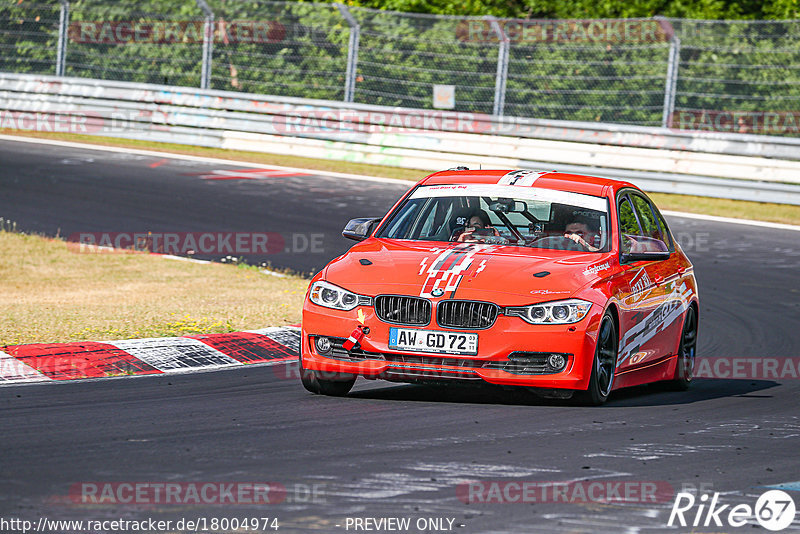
column 355, row 337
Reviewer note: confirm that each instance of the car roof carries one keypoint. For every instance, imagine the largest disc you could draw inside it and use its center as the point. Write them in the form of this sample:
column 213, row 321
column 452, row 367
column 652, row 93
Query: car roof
column 576, row 183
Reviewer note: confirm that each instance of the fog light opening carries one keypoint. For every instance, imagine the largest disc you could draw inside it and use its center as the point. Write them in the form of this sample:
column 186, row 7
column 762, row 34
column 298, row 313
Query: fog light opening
column 557, row 361
column 323, row 345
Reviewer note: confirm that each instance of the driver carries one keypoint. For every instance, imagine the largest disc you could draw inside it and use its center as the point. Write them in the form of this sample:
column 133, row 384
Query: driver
column 580, row 232
column 478, row 221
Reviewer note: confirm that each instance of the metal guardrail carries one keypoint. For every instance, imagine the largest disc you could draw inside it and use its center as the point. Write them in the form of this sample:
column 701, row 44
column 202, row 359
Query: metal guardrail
column 658, row 159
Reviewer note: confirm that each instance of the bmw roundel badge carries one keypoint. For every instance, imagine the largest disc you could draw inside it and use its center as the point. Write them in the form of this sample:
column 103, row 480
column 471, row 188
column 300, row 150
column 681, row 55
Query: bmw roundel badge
column 438, row 292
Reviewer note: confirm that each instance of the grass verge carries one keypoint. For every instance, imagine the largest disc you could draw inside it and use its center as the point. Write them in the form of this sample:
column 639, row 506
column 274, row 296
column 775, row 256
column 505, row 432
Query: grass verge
column 759, row 211
column 49, row 293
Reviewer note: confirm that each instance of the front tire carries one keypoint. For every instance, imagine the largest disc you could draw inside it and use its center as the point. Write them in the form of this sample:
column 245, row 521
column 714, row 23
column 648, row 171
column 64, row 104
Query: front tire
column 684, row 368
column 604, row 364
column 339, row 386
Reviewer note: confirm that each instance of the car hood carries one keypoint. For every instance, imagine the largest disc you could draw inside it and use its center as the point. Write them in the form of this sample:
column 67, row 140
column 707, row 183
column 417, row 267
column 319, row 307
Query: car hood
column 505, row 275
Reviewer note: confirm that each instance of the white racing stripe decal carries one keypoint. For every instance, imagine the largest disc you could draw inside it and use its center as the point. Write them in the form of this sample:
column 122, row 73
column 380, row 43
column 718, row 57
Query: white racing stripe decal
column 655, row 322
column 13, row 370
column 521, row 178
column 447, row 270
column 175, row 354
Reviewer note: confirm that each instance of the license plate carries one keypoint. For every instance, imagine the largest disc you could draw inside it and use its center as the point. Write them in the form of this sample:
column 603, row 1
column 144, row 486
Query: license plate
column 433, row 341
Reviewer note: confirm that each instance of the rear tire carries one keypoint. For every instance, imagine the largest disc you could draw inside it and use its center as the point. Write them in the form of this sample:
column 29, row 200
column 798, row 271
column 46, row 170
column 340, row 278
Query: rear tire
column 604, row 364
column 339, row 386
column 684, row 368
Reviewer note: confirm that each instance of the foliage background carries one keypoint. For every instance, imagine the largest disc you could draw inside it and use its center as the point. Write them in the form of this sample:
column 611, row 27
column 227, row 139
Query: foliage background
column 738, row 65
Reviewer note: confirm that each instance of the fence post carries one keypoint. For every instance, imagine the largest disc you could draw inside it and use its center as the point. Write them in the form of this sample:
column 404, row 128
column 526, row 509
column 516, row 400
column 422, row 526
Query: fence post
column 208, row 44
column 502, row 68
column 63, row 28
column 352, row 53
column 671, row 85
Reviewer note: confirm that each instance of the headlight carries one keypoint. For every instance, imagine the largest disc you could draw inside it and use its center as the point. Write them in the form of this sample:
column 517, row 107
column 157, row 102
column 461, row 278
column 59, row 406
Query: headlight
column 558, row 312
column 331, row 296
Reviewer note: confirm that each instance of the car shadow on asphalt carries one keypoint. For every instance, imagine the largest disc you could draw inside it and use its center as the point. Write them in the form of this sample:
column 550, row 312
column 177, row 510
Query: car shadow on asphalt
column 657, row 394
column 702, row 389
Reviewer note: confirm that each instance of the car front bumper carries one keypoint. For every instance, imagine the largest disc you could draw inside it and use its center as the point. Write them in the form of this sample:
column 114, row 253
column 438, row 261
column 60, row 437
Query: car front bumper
column 507, row 351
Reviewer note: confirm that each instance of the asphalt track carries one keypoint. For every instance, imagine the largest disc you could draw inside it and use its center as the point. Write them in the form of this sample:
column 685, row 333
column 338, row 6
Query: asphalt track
column 386, row 450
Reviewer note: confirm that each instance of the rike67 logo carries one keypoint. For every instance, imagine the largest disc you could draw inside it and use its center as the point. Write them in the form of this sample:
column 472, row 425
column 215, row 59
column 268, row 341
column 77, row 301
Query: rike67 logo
column 774, row 510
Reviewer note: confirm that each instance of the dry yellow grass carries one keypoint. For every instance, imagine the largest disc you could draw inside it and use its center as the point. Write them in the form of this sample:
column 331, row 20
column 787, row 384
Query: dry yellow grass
column 759, row 211
column 51, row 294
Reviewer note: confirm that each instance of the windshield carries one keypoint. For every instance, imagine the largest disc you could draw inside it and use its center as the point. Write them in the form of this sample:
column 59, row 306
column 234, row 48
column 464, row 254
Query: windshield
column 503, row 215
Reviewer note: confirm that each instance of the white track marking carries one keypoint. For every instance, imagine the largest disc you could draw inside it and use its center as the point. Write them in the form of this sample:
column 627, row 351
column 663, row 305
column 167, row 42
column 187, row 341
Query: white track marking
column 656, row 451
column 201, row 159
column 222, row 161
column 181, row 258
column 175, row 354
column 731, row 220
column 273, row 273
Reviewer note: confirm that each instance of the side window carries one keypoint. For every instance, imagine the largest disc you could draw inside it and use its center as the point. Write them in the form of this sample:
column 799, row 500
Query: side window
column 664, row 229
column 654, row 238
column 432, row 223
column 398, row 226
column 628, row 225
column 645, row 215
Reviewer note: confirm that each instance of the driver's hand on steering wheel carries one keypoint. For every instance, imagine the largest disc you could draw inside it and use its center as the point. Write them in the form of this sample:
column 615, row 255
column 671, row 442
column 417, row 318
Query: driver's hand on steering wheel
column 579, row 240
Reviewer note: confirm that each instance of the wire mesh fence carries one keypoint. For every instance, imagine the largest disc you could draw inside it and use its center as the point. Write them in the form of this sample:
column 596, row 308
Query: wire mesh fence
column 736, row 76
column 402, row 58
column 29, row 37
column 604, row 76
column 281, row 48
column 741, row 77
column 148, row 41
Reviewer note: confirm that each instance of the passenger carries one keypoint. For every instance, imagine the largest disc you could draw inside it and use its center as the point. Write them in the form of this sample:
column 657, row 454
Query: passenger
column 478, row 221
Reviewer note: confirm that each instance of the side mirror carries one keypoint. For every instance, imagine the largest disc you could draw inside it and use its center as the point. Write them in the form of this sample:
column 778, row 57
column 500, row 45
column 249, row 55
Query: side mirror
column 360, row 229
column 631, row 257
